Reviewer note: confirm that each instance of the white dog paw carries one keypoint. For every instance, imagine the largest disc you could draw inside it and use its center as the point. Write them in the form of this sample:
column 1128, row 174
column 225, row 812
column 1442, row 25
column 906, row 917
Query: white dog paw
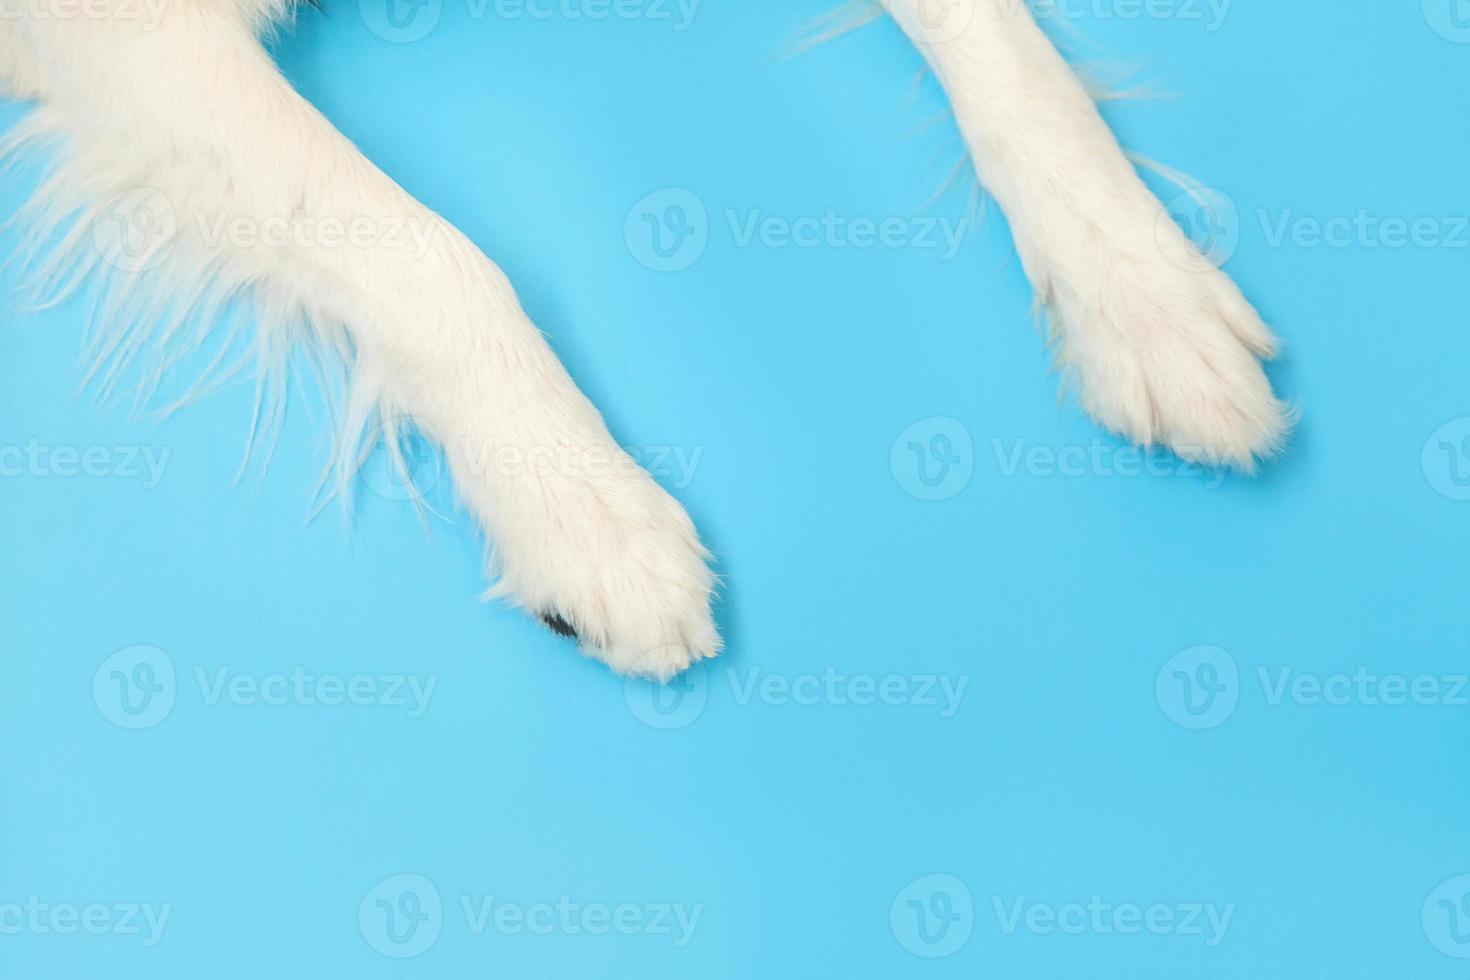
column 613, row 562
column 1165, row 350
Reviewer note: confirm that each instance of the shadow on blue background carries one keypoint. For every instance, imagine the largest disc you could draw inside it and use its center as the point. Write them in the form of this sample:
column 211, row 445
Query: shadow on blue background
column 1002, row 698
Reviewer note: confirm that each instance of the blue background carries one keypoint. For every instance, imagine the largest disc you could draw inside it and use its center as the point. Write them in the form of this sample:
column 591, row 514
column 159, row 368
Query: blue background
column 1059, row 599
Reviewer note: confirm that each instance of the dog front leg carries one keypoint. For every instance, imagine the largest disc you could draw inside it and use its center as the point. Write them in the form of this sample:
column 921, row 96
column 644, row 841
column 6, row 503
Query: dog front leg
column 1161, row 344
column 254, row 191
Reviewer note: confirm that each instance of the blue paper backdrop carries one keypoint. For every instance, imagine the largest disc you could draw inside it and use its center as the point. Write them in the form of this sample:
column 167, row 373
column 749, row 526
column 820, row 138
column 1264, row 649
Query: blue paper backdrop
column 1007, row 704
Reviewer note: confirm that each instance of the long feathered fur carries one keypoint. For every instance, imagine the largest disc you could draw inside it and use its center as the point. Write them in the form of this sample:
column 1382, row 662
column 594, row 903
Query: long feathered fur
column 188, row 124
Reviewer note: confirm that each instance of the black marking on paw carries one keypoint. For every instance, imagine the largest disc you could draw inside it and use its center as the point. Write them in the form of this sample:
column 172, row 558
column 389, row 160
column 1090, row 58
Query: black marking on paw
column 558, row 625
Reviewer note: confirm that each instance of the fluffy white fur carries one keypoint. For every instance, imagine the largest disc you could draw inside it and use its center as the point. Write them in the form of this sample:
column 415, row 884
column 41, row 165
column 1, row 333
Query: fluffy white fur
column 191, row 112
column 1160, row 343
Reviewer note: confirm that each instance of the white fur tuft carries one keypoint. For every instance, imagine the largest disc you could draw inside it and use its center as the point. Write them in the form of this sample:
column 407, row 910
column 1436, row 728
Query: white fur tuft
column 1159, row 343
column 185, row 175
